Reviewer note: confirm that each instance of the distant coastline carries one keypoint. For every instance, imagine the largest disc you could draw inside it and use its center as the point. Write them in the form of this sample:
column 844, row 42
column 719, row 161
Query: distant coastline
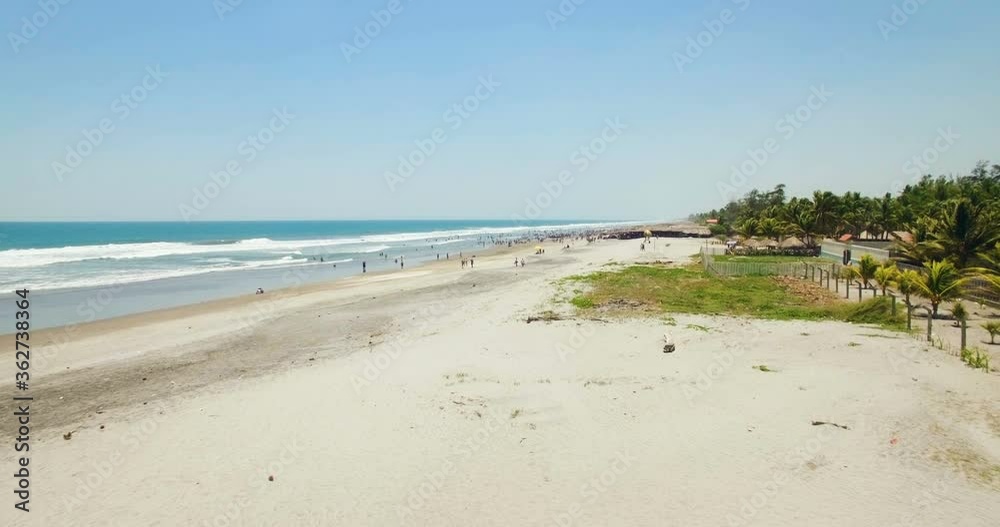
column 154, row 265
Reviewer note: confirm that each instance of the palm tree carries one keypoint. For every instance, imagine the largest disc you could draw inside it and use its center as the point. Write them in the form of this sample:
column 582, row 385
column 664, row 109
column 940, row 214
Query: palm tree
column 993, row 328
column 802, row 222
column 906, row 281
column 885, row 213
column 962, row 316
column 966, row 234
column 885, row 275
column 748, row 228
column 825, row 205
column 852, row 213
column 940, row 282
column 865, row 271
column 771, row 228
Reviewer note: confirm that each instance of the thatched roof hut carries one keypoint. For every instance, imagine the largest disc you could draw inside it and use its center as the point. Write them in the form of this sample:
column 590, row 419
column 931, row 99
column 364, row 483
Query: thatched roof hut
column 791, row 242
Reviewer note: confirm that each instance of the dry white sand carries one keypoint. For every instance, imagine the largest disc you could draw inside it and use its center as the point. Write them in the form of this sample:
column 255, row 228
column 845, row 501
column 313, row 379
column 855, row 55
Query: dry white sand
column 425, row 399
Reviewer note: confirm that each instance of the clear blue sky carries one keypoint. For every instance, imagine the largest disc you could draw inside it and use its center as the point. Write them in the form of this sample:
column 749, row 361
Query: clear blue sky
column 608, row 59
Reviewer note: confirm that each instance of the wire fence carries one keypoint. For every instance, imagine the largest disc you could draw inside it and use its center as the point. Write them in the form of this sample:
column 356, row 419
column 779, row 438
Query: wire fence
column 828, row 273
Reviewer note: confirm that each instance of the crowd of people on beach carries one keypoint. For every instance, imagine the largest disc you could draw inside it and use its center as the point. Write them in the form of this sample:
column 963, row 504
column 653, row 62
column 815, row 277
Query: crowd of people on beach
column 491, row 240
column 510, row 240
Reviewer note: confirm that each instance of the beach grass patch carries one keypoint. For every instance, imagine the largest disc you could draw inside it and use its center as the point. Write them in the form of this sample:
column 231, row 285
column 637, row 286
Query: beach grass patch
column 976, row 359
column 582, row 302
column 769, row 259
column 639, row 289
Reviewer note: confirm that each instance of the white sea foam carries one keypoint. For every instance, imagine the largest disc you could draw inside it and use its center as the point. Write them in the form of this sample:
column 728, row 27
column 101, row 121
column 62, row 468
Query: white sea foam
column 26, row 258
column 23, row 258
column 133, row 262
column 59, row 281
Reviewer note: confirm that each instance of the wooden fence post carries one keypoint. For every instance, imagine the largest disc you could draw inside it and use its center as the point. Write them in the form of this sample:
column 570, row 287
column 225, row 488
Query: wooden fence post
column 930, row 319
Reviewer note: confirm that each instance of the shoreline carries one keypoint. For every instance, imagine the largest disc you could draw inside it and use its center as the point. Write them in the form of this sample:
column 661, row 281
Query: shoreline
column 92, row 301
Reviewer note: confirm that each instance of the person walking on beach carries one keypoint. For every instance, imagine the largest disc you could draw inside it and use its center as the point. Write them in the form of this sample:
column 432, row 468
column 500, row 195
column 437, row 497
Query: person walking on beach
column 400, row 263
column 522, row 262
column 515, row 262
column 472, row 261
column 364, row 267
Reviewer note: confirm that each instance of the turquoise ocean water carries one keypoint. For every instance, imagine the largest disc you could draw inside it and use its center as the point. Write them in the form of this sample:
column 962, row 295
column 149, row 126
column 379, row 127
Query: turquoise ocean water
column 81, row 271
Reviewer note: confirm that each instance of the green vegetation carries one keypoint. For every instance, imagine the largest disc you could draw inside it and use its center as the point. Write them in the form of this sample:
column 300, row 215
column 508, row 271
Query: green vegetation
column 865, row 271
column 948, row 220
column 582, row 302
column 886, row 275
column 769, row 259
column 962, row 316
column 690, row 290
column 906, row 282
column 993, row 328
column 976, row 359
column 940, row 282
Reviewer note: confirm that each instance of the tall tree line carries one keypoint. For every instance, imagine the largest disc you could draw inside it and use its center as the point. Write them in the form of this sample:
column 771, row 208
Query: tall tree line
column 952, row 218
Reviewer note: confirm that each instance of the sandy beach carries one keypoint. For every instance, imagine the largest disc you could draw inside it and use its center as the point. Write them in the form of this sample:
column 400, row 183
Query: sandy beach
column 422, row 397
